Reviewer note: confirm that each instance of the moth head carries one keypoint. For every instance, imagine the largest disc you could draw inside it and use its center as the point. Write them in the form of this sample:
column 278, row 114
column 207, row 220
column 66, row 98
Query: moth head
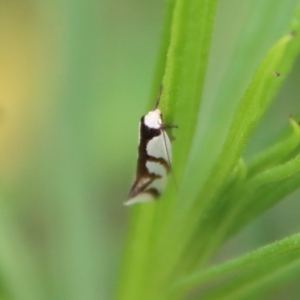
column 153, row 119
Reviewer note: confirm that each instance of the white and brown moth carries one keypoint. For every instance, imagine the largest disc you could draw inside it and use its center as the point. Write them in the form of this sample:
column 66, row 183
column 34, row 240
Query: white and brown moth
column 154, row 158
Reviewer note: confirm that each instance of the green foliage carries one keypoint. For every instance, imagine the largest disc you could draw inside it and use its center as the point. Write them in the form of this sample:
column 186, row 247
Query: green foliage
column 249, row 271
column 170, row 242
column 74, row 77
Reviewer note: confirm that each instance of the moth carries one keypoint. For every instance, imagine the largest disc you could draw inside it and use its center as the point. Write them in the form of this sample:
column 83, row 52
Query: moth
column 154, row 158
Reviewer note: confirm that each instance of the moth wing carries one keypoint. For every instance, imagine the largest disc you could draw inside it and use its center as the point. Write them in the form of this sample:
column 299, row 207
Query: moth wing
column 138, row 186
column 137, row 192
column 160, row 147
column 140, row 198
column 150, row 186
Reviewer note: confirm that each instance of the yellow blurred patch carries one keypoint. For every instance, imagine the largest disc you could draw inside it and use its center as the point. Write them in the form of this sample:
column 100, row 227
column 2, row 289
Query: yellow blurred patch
column 17, row 75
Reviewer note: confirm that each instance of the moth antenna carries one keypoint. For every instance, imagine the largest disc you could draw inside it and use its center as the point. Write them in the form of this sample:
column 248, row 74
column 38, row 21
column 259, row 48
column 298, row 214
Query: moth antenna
column 158, row 98
column 171, row 169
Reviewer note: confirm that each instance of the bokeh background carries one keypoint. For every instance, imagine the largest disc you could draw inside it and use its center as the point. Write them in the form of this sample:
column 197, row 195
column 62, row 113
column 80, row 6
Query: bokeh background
column 75, row 77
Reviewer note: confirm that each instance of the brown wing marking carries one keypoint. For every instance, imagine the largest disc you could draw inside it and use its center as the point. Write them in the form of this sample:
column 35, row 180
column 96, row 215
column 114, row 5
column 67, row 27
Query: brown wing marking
column 140, row 185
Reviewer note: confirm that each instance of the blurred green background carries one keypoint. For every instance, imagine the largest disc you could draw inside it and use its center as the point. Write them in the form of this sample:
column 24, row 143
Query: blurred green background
column 75, row 77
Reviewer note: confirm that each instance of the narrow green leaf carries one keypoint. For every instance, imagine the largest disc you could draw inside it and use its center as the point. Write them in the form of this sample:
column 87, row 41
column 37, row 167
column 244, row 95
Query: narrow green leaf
column 267, row 196
column 249, row 111
column 260, row 279
column 162, row 239
column 265, row 22
column 133, row 279
column 275, row 253
column 182, row 88
column 251, row 197
column 277, row 153
column 239, row 205
column 135, row 258
column 163, row 50
column 275, row 174
column 252, row 106
column 185, row 67
column 185, row 72
column 244, row 202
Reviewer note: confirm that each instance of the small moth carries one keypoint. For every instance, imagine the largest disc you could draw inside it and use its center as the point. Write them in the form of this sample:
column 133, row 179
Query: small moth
column 154, row 158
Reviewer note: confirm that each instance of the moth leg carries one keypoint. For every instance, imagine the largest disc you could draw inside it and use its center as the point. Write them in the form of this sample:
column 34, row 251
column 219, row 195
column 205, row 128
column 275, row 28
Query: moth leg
column 172, row 138
column 168, row 126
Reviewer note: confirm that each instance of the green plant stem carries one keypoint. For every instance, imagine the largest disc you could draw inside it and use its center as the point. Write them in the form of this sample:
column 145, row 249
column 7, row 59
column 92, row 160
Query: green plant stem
column 182, row 88
column 277, row 153
column 253, row 258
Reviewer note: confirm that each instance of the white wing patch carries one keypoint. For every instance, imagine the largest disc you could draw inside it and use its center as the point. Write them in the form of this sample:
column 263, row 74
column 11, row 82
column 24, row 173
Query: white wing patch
column 140, row 198
column 159, row 184
column 160, row 147
column 156, row 168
